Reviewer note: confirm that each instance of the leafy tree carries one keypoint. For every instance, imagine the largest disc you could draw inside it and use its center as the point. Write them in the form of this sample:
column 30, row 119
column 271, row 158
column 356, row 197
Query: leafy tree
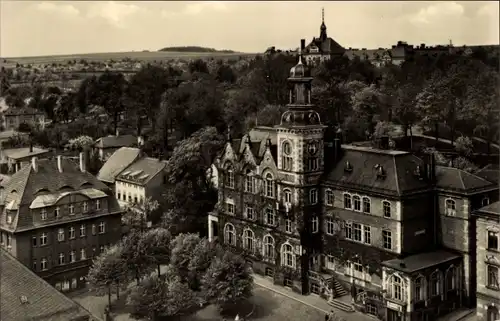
column 108, row 269
column 80, row 143
column 110, row 89
column 366, row 104
column 139, row 215
column 225, row 74
column 183, row 246
column 157, row 298
column 227, row 281
column 464, row 146
column 464, row 164
column 157, row 246
column 198, row 66
column 135, row 255
column 202, row 256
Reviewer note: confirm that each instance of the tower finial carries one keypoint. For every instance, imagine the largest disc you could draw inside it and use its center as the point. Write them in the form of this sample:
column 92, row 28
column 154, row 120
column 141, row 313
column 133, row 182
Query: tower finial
column 323, row 15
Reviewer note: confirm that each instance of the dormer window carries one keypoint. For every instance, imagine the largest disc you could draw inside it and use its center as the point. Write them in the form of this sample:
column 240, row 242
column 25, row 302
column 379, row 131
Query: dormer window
column 9, row 218
column 85, row 207
column 348, row 167
column 71, row 209
column 97, row 204
column 450, row 207
column 418, row 172
column 485, row 201
column 57, row 212
column 380, row 172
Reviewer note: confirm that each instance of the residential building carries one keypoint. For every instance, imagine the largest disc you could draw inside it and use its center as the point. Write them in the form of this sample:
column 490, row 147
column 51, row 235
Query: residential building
column 106, row 146
column 139, row 181
column 26, row 296
column 13, row 117
column 321, row 48
column 116, row 163
column 332, row 219
column 488, row 262
column 55, row 217
column 12, row 159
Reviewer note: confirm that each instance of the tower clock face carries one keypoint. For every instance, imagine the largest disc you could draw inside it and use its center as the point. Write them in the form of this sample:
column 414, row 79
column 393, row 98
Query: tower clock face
column 312, row 147
column 287, row 148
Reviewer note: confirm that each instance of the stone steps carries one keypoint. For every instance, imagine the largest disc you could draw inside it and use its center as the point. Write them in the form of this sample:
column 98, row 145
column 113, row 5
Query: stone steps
column 341, row 305
column 338, row 289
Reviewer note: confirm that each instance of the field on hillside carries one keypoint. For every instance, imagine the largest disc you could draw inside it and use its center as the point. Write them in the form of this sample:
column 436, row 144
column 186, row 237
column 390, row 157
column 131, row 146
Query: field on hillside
column 138, row 55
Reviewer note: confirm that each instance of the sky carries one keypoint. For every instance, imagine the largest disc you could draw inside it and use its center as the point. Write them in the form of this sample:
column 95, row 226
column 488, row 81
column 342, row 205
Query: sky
column 36, row 28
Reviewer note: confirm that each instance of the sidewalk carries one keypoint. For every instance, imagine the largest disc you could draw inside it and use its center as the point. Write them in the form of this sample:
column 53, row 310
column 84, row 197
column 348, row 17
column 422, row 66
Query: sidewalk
column 313, row 301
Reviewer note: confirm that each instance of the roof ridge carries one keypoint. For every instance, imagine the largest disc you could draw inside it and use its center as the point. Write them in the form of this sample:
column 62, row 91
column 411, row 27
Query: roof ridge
column 396, row 175
column 461, row 179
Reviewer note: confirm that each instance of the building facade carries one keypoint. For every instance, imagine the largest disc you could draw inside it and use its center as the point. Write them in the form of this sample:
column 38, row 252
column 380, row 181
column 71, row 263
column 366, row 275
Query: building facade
column 332, row 219
column 55, row 217
column 488, row 262
column 13, row 117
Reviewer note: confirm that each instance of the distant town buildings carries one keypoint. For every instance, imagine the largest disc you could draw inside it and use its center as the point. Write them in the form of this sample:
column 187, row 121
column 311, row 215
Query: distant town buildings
column 13, row 117
column 55, row 217
column 393, row 231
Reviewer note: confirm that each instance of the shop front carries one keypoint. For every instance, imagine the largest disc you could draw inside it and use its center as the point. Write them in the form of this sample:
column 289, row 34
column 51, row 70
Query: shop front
column 395, row 312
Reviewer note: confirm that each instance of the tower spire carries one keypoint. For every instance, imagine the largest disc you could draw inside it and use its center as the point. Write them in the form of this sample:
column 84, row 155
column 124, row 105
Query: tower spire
column 322, row 15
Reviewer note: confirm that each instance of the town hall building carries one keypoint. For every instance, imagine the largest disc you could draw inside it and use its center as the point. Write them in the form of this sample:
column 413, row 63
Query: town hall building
column 332, row 219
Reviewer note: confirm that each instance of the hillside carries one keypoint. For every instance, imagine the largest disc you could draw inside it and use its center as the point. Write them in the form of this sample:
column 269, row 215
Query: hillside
column 194, row 49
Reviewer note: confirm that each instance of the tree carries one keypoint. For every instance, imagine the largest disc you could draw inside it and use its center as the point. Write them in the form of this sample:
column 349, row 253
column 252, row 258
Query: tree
column 157, row 246
column 225, row 74
column 80, row 143
column 158, row 298
column 464, row 146
column 183, row 246
column 110, row 89
column 200, row 261
column 139, row 215
column 366, row 103
column 134, row 254
column 198, row 66
column 108, row 269
column 227, row 281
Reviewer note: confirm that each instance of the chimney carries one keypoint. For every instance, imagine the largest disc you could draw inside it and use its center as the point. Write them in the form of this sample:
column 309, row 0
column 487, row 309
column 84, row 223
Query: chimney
column 31, row 147
column 302, row 44
column 59, row 163
column 34, row 163
column 337, row 145
column 83, row 165
column 384, row 142
column 431, row 167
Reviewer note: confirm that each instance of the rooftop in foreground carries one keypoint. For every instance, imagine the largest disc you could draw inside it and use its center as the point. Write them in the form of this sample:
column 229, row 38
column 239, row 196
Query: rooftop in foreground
column 420, row 261
column 25, row 296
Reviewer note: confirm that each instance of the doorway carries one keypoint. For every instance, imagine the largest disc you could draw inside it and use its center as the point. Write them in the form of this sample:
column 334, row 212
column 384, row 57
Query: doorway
column 393, row 315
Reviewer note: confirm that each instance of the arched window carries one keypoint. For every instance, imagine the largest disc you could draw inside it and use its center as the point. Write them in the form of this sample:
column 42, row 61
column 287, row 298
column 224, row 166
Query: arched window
column 268, row 247
column 485, row 201
column 313, row 196
column 357, row 203
column 249, row 182
column 366, row 205
column 287, row 196
column 269, row 216
column 329, row 198
column 287, row 255
column 229, row 234
column 286, row 159
column 492, row 313
column 435, row 284
column 419, row 289
column 248, row 238
column 397, row 288
column 386, row 205
column 314, row 224
column 451, row 278
column 269, row 182
column 451, row 208
column 347, row 201
column 229, row 175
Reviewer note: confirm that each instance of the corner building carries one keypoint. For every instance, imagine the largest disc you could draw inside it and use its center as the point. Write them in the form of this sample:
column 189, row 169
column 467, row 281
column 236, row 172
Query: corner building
column 336, row 220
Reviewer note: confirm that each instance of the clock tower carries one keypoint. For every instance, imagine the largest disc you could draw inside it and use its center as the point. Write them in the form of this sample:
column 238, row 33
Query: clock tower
column 300, row 138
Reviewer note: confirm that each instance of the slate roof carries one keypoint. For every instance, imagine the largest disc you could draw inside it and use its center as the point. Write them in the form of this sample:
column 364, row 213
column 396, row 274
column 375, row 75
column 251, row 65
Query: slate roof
column 454, row 179
column 328, row 46
column 117, row 162
column 493, row 208
column 398, row 167
column 142, row 170
column 116, row 141
column 490, row 173
column 421, row 261
column 13, row 111
column 23, row 186
column 23, row 152
column 44, row 303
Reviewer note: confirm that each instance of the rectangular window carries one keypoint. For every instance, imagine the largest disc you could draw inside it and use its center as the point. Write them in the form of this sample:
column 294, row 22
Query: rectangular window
column 330, row 262
column 72, row 232
column 269, row 219
column 97, row 204
column 367, row 234
column 250, row 214
column 43, row 214
column 71, row 209
column 61, row 258
column 94, row 229
column 82, row 230
column 347, row 201
column 102, row 228
column 230, row 208
column 72, row 256
column 34, row 241
column 43, row 264
column 387, row 209
column 85, row 207
column 492, row 276
column 315, row 224
column 34, row 265
column 356, row 232
column 83, row 254
column 330, row 226
column 492, row 240
column 250, row 184
column 43, row 239
column 387, row 237
column 288, row 226
column 348, row 231
column 357, row 203
column 57, row 212
column 60, row 235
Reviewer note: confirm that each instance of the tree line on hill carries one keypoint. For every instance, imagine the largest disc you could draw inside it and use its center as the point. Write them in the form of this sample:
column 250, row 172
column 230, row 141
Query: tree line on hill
column 194, row 49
